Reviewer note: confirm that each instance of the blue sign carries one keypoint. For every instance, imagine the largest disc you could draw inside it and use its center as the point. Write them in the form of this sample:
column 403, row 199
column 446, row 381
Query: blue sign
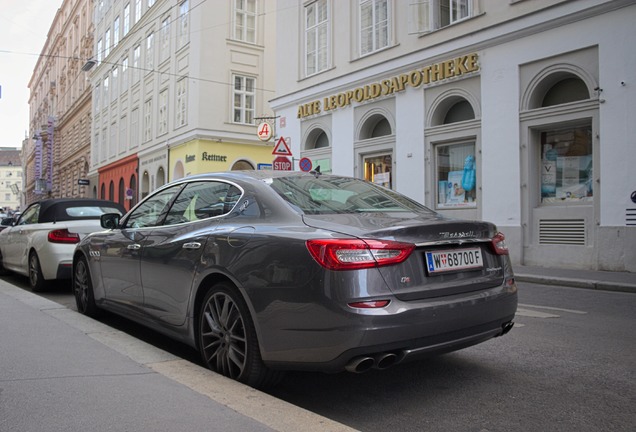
column 264, row 166
column 305, row 164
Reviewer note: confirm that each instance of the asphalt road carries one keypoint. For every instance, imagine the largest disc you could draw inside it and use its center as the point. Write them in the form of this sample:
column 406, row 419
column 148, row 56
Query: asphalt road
column 568, row 365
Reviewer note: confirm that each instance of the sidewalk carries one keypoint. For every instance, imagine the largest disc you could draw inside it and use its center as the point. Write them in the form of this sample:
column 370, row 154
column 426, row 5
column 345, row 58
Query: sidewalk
column 62, row 371
column 600, row 280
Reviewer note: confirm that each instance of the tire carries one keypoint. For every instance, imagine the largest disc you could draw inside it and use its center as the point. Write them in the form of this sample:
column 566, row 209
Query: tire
column 36, row 279
column 227, row 338
column 3, row 271
column 83, row 289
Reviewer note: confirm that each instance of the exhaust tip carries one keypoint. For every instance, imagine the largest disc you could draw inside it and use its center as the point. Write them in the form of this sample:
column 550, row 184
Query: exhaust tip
column 505, row 328
column 385, row 360
column 360, row 364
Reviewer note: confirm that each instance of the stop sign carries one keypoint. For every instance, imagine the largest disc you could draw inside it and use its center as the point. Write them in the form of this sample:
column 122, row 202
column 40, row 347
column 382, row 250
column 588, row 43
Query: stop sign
column 282, row 163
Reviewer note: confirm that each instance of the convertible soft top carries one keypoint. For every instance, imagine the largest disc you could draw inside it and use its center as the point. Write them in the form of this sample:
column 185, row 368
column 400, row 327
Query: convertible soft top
column 65, row 209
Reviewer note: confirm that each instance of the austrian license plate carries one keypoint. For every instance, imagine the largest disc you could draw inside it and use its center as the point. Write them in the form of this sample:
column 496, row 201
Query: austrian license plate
column 450, row 260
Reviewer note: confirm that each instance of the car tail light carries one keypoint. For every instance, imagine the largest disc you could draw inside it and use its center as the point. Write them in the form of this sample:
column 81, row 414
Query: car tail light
column 372, row 304
column 499, row 244
column 353, row 254
column 63, row 236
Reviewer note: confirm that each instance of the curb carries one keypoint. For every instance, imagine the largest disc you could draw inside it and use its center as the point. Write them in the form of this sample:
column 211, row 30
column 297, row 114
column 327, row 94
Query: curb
column 578, row 283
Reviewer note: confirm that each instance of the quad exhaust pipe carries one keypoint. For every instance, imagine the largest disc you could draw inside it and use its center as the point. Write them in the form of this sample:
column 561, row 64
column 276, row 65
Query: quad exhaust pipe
column 378, row 361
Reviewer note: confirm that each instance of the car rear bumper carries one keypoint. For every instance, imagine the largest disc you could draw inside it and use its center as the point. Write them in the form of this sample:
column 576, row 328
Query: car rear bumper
column 407, row 330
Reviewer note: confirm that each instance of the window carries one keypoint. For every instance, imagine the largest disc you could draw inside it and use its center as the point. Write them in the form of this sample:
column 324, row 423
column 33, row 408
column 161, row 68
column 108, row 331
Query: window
column 124, row 74
column 162, row 126
column 316, row 37
column 152, row 211
column 164, row 51
column 137, row 11
column 136, row 59
column 147, row 120
column 123, row 134
column 134, row 128
column 106, row 93
column 377, row 169
column 243, row 100
column 112, row 144
column 566, row 164
column 201, row 201
column 106, row 43
column 181, row 116
column 184, row 27
column 150, row 52
column 374, row 25
column 456, row 175
column 116, row 32
column 428, row 15
column 245, row 20
column 114, row 91
column 100, row 47
column 126, row 19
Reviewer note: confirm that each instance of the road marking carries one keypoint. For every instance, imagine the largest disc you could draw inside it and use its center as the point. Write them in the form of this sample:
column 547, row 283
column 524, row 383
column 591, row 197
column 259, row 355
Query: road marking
column 535, row 314
column 554, row 308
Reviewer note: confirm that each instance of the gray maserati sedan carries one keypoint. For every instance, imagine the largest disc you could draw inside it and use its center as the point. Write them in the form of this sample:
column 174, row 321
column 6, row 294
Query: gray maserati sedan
column 266, row 271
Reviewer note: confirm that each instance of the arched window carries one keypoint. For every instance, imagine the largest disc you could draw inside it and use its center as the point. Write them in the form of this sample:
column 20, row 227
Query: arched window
column 375, row 126
column 102, row 194
column 111, row 191
column 242, row 165
column 122, row 191
column 316, row 139
column 569, row 89
column 460, row 111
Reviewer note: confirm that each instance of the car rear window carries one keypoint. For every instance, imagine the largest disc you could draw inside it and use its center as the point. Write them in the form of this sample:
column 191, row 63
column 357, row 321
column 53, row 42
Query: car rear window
column 317, row 195
column 84, row 212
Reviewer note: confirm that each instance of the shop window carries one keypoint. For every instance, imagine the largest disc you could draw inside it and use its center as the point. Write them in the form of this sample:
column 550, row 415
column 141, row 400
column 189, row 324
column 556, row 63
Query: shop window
column 377, row 169
column 122, row 191
column 456, row 175
column 566, row 164
column 111, row 191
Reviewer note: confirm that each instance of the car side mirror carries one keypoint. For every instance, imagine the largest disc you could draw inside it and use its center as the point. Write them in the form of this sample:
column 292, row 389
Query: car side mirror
column 109, row 220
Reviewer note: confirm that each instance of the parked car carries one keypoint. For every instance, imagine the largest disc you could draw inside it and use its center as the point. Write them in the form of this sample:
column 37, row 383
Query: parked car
column 265, row 271
column 41, row 241
column 5, row 222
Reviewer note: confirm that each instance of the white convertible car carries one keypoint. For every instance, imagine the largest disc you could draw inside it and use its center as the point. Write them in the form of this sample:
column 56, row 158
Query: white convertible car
column 41, row 241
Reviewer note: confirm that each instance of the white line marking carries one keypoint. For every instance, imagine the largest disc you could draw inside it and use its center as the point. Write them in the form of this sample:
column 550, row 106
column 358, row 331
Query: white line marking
column 534, row 314
column 554, row 308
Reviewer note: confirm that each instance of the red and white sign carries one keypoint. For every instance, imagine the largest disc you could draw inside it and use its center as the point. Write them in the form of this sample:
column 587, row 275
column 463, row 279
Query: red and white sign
column 264, row 131
column 282, row 163
column 281, row 148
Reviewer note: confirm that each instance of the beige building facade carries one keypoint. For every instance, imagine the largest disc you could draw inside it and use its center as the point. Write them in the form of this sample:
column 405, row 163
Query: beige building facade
column 178, row 89
column 56, row 154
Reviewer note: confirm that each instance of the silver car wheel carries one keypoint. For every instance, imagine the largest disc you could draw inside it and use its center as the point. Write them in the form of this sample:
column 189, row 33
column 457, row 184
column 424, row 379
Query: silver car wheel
column 223, row 336
column 36, row 280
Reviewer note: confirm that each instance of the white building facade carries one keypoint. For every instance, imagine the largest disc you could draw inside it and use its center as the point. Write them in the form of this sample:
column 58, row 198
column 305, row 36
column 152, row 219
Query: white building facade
column 178, row 87
column 518, row 112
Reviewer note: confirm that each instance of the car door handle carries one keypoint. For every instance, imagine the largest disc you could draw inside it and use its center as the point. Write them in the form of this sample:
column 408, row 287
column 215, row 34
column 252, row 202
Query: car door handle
column 193, row 245
column 133, row 246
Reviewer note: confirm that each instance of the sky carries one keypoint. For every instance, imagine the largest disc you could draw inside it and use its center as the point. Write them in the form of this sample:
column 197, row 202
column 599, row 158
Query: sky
column 24, row 25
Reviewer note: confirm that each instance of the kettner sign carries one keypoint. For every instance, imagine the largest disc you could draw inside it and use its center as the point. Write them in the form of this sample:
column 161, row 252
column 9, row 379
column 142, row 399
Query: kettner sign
column 436, row 72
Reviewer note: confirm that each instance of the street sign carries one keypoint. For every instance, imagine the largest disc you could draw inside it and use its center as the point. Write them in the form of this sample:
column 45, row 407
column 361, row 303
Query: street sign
column 281, row 148
column 83, row 182
column 305, row 164
column 264, row 131
column 282, row 163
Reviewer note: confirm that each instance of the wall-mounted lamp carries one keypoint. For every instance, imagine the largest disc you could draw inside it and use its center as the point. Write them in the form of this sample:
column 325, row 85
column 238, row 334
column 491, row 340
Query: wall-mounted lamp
column 89, row 65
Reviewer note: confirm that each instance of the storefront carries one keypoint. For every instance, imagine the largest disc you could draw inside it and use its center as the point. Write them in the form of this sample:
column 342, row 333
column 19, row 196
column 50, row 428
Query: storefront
column 202, row 156
column 118, row 181
column 533, row 132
